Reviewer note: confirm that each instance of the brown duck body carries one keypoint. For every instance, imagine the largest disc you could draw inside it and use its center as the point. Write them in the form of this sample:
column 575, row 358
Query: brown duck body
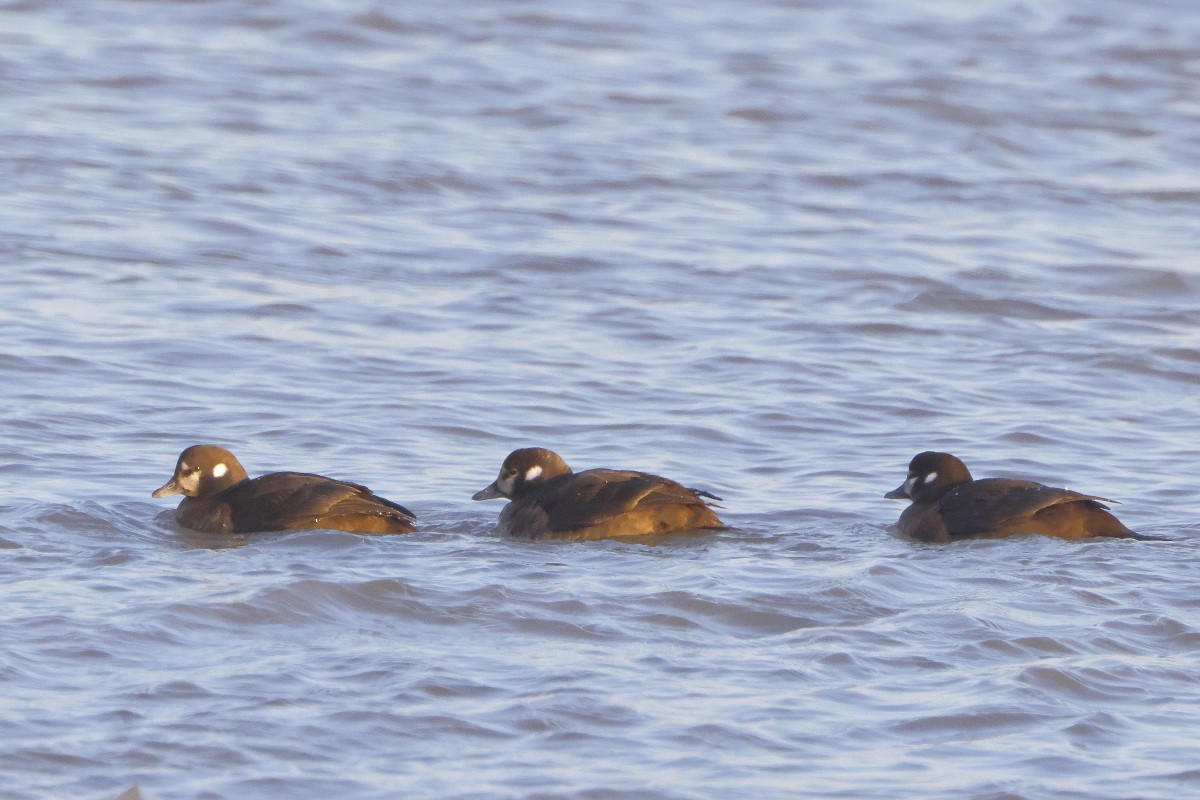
column 220, row 498
column 605, row 503
column 996, row 507
column 947, row 504
column 292, row 501
column 551, row 501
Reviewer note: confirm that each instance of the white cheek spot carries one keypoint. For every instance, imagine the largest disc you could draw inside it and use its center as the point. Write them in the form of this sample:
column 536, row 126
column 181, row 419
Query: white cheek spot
column 219, row 470
column 505, row 483
column 930, row 478
column 183, row 467
column 909, row 484
column 532, row 473
column 190, row 481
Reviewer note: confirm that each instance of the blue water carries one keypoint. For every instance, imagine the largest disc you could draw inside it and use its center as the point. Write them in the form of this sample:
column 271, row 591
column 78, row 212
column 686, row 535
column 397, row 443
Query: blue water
column 768, row 249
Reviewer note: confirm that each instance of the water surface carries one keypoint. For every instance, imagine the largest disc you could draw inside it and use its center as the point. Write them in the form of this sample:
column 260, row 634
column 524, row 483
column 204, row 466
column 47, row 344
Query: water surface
column 770, row 249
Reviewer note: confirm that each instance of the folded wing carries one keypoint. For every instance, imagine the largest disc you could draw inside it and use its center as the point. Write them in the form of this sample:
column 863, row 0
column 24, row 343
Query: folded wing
column 597, row 495
column 994, row 503
column 286, row 500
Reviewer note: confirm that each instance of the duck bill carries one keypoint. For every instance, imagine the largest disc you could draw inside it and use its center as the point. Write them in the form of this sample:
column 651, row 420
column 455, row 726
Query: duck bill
column 489, row 493
column 899, row 493
column 167, row 489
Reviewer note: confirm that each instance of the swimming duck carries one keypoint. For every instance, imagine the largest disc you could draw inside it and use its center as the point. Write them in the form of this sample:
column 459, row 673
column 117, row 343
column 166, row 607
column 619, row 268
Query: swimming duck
column 948, row 504
column 550, row 501
column 220, row 498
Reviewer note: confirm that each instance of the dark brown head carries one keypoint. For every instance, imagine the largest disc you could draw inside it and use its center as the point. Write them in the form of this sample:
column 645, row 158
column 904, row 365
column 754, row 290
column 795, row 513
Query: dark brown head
column 202, row 471
column 523, row 470
column 930, row 475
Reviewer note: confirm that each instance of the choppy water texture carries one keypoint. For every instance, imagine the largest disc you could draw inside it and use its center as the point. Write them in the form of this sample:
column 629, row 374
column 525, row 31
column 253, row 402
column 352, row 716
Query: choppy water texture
column 771, row 249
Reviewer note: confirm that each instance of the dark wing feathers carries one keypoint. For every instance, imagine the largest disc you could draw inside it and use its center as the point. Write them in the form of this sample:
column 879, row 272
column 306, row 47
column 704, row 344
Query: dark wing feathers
column 984, row 505
column 595, row 495
column 364, row 501
column 283, row 499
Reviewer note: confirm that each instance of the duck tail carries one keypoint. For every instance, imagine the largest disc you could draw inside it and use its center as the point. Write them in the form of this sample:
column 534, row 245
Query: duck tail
column 1145, row 537
column 707, row 496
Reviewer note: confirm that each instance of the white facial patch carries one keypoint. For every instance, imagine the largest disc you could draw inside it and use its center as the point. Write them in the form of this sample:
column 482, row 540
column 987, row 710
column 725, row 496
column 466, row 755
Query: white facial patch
column 190, row 481
column 532, row 473
column 505, row 483
column 908, row 484
column 183, row 467
column 219, row 470
column 930, row 478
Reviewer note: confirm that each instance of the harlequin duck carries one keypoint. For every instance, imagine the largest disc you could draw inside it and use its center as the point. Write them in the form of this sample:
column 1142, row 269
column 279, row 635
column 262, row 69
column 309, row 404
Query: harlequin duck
column 549, row 501
column 220, row 498
column 947, row 504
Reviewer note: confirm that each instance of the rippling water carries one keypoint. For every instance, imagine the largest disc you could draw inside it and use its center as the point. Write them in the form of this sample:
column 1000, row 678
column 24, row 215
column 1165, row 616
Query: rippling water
column 771, row 249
